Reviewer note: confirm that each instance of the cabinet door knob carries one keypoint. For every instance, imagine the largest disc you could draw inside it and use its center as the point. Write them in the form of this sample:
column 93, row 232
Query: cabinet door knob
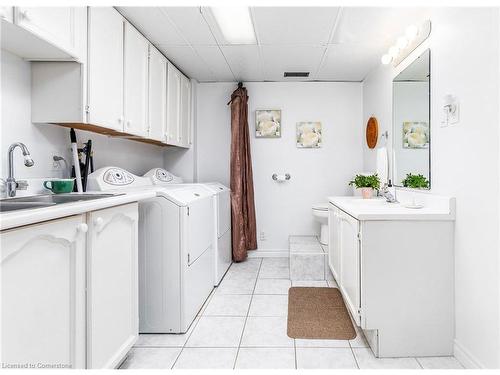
column 25, row 15
column 99, row 223
column 128, row 123
column 82, row 228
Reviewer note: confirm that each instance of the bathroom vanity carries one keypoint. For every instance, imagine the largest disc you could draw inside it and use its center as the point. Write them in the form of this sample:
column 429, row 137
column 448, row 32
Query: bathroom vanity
column 395, row 268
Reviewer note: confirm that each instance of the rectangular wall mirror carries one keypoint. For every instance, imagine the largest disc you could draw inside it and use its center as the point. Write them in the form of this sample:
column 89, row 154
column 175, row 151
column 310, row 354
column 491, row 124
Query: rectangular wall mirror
column 412, row 125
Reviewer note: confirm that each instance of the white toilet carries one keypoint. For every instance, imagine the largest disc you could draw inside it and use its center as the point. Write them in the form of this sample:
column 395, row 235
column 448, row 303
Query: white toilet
column 320, row 213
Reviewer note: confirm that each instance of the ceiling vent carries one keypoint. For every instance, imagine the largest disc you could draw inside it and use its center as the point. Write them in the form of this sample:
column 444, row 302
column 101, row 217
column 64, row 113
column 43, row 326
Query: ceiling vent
column 296, row 74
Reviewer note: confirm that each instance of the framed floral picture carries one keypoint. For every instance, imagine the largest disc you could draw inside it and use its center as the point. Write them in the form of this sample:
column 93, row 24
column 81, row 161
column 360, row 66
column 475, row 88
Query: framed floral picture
column 268, row 123
column 415, row 134
column 309, row 135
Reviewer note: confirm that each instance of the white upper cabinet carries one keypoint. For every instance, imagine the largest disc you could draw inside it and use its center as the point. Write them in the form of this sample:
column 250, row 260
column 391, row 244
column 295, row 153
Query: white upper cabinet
column 105, row 68
column 124, row 85
column 42, row 270
column 61, row 27
column 135, row 82
column 185, row 123
column 157, row 95
column 173, row 104
column 112, row 285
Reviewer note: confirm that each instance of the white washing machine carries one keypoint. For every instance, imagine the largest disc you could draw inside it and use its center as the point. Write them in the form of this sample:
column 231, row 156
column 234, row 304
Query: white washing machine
column 176, row 259
column 222, row 217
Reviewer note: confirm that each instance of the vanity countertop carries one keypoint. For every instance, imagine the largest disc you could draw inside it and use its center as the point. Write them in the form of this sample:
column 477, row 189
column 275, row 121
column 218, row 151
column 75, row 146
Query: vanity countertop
column 436, row 208
column 19, row 218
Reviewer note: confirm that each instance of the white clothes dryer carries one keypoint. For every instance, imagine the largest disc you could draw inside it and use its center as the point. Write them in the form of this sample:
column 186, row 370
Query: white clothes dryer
column 222, row 218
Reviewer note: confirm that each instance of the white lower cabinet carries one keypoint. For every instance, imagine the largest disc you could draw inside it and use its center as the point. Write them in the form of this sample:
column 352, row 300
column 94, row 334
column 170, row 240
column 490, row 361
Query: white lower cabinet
column 349, row 275
column 397, row 281
column 7, row 14
column 43, row 294
column 69, row 291
column 112, row 285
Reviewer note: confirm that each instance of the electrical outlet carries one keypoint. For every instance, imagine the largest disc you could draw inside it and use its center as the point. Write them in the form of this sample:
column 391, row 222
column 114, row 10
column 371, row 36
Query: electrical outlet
column 262, row 236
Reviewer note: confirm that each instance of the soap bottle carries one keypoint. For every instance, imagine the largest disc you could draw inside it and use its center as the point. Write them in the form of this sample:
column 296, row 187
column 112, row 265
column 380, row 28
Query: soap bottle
column 391, row 188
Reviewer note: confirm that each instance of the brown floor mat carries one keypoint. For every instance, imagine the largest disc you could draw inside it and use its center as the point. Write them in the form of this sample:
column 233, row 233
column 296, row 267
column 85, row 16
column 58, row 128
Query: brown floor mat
column 318, row 313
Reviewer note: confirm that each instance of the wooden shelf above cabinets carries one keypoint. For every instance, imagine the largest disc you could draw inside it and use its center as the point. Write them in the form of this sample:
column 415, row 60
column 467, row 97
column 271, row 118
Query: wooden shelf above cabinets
column 110, row 133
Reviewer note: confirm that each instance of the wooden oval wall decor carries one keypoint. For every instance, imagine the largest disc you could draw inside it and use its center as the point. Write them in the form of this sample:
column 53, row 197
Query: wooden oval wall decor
column 372, row 132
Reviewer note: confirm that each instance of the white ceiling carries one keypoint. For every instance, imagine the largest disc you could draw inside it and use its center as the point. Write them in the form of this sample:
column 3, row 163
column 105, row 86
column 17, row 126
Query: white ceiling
column 332, row 43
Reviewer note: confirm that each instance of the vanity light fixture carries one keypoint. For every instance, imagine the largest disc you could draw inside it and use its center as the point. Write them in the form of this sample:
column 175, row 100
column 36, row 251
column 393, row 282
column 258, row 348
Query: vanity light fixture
column 235, row 24
column 413, row 37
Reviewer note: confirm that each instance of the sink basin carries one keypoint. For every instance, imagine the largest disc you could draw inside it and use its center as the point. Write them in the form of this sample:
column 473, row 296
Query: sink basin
column 13, row 206
column 369, row 201
column 373, row 202
column 39, row 201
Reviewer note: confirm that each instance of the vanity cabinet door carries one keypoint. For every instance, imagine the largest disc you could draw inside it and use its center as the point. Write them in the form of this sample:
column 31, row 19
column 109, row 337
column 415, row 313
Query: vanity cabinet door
column 42, row 270
column 334, row 246
column 112, row 296
column 349, row 242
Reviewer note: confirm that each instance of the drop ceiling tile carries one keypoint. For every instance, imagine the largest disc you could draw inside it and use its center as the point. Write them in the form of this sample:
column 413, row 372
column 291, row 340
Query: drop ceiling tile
column 244, row 61
column 153, row 24
column 215, row 61
column 191, row 24
column 376, row 25
column 348, row 62
column 188, row 61
column 280, row 59
column 294, row 25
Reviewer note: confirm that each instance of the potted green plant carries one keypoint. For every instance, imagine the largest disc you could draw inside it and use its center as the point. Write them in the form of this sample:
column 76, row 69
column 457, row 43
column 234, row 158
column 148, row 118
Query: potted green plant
column 415, row 181
column 367, row 184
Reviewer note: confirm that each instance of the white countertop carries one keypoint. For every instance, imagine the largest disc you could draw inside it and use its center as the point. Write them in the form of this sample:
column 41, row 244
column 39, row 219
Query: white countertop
column 435, row 208
column 30, row 216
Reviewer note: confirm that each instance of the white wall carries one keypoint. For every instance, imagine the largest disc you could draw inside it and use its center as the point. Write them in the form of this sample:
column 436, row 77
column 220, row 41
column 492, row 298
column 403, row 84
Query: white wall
column 465, row 163
column 44, row 140
column 284, row 209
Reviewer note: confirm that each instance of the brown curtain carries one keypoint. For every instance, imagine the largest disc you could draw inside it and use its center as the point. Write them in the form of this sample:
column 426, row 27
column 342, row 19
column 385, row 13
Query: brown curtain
column 244, row 228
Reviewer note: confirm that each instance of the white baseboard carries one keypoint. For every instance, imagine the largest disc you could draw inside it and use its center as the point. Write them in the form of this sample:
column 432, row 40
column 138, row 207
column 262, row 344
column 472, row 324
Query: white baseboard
column 269, row 253
column 465, row 357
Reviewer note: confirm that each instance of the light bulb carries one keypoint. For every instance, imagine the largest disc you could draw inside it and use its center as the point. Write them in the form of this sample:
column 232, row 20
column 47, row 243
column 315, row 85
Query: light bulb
column 386, row 59
column 393, row 52
column 411, row 32
column 402, row 42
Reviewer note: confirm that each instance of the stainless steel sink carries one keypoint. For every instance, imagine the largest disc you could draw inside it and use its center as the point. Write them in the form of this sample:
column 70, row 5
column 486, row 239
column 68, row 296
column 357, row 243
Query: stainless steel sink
column 39, row 201
column 13, row 206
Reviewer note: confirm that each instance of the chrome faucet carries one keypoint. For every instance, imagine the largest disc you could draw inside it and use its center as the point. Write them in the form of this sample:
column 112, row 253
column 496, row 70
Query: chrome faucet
column 386, row 193
column 12, row 184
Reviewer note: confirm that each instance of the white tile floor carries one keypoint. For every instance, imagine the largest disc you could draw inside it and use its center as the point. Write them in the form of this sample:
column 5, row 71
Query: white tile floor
column 243, row 325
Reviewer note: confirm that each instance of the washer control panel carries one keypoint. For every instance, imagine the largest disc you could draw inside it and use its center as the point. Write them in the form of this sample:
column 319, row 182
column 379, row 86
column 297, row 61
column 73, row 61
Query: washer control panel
column 115, row 178
column 118, row 177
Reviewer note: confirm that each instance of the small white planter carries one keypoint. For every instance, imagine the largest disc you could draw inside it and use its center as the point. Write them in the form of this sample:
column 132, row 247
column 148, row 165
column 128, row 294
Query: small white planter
column 367, row 193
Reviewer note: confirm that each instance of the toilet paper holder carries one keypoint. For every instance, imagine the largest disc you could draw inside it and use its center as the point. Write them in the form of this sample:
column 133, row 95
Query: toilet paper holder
column 281, row 178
